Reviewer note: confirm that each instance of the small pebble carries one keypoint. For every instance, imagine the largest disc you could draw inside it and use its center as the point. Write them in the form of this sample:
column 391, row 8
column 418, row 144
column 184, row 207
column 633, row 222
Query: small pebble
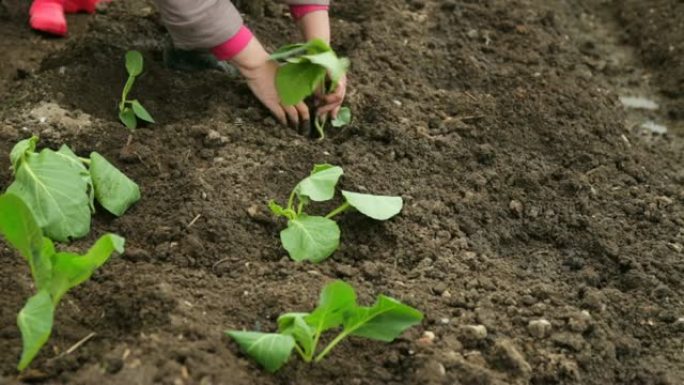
column 439, row 288
column 516, row 208
column 427, row 339
column 473, row 332
column 679, row 324
column 213, row 139
column 473, row 34
column 539, row 328
column 580, row 322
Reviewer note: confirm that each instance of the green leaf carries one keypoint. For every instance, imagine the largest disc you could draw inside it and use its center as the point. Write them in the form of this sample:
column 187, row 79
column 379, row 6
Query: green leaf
column 343, row 118
column 18, row 226
column 69, row 156
column 320, row 185
column 310, row 238
column 21, row 231
column 141, row 112
column 384, row 321
column 76, row 163
column 337, row 298
column 294, row 324
column 134, row 63
column 289, row 50
column 35, row 322
column 127, row 117
column 335, row 67
column 20, row 149
column 114, row 190
column 378, row 207
column 311, row 47
column 270, row 350
column 70, row 270
column 56, row 193
column 296, row 81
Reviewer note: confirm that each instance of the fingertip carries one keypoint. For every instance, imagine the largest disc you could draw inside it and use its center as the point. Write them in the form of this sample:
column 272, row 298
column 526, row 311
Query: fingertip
column 280, row 116
column 332, row 98
column 323, row 111
column 293, row 116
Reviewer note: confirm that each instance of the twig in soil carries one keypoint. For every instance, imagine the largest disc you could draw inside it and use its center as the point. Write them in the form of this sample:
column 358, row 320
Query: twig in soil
column 215, row 265
column 77, row 345
column 192, row 222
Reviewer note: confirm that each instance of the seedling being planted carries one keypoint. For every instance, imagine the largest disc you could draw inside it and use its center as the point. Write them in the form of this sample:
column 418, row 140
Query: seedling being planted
column 304, row 70
column 386, row 320
column 54, row 273
column 60, row 188
column 131, row 110
column 315, row 238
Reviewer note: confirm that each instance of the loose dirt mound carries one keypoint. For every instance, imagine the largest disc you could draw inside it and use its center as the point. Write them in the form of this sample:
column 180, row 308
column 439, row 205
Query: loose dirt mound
column 530, row 208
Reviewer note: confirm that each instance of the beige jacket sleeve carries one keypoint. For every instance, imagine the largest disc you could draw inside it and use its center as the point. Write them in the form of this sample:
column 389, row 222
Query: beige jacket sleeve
column 202, row 24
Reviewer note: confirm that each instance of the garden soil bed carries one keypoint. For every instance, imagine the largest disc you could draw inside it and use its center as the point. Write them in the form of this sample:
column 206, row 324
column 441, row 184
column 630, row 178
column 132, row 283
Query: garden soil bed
column 527, row 198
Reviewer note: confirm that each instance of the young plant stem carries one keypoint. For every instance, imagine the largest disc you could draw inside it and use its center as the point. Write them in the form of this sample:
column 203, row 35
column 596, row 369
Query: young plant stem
column 124, row 94
column 85, row 161
column 290, row 200
column 301, row 354
column 331, row 345
column 317, row 337
column 342, row 208
column 319, row 122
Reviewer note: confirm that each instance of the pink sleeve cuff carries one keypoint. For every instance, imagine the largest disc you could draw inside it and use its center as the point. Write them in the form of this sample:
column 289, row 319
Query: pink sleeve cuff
column 234, row 45
column 299, row 11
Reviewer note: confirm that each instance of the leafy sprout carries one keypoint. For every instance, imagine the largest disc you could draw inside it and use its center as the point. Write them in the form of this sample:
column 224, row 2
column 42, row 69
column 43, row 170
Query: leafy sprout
column 132, row 110
column 337, row 308
column 54, row 273
column 61, row 188
column 303, row 72
column 315, row 238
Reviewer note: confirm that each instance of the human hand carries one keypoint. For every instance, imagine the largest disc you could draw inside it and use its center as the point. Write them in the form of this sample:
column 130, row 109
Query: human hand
column 330, row 104
column 260, row 73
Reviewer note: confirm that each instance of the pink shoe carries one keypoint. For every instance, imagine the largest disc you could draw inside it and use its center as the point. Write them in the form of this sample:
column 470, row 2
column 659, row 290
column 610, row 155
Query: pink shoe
column 88, row 6
column 48, row 16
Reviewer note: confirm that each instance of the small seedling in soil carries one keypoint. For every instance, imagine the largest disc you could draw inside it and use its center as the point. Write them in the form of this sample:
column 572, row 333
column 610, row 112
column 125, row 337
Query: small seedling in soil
column 60, row 188
column 54, row 273
column 304, row 70
column 131, row 110
column 315, row 238
column 337, row 307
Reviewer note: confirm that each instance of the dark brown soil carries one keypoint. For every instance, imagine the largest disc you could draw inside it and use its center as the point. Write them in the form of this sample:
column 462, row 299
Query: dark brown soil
column 656, row 28
column 527, row 199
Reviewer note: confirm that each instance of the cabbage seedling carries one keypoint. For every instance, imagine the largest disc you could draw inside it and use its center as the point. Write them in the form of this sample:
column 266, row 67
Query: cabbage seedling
column 131, row 110
column 60, row 188
column 304, row 69
column 54, row 273
column 315, row 238
column 386, row 320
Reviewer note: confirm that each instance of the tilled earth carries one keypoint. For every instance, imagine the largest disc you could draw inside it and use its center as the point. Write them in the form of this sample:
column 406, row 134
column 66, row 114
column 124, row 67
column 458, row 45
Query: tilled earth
column 533, row 212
